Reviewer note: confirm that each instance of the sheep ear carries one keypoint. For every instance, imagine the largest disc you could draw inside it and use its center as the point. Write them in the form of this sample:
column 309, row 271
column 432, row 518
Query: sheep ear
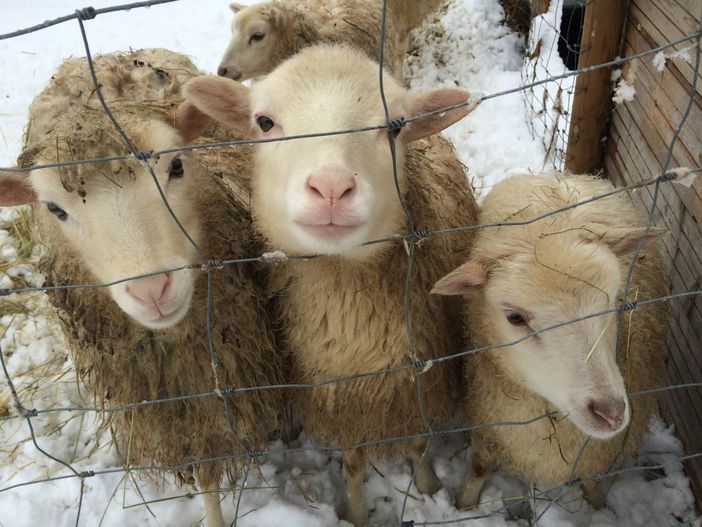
column 461, row 280
column 236, row 7
column 15, row 189
column 191, row 122
column 430, row 101
column 276, row 16
column 224, row 100
column 625, row 241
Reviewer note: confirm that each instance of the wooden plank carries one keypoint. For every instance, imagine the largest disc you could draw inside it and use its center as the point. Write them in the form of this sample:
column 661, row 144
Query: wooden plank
column 602, row 30
column 680, row 251
column 685, row 276
column 671, row 19
column 672, row 202
column 670, row 79
column 691, row 7
column 650, row 135
column 670, row 94
column 671, row 207
column 655, row 38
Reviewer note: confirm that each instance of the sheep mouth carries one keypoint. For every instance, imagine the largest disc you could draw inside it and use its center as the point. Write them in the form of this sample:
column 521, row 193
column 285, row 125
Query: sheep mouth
column 596, row 427
column 329, row 231
column 158, row 320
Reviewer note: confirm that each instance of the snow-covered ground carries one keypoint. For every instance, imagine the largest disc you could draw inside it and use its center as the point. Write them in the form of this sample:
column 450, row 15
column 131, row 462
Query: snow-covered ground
column 465, row 46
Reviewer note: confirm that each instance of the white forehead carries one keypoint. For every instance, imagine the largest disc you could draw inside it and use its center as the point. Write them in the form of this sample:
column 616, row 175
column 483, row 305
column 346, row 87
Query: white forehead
column 325, row 83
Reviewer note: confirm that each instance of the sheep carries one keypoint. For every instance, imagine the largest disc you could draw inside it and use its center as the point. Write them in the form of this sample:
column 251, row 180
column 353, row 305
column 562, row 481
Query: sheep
column 529, row 277
column 263, row 35
column 341, row 313
column 106, row 221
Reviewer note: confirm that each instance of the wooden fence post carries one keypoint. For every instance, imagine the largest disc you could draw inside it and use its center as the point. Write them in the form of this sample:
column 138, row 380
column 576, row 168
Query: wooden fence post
column 602, row 30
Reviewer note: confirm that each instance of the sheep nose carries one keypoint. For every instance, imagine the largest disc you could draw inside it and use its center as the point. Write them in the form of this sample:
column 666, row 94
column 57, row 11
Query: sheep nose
column 609, row 412
column 331, row 189
column 222, row 71
column 150, row 289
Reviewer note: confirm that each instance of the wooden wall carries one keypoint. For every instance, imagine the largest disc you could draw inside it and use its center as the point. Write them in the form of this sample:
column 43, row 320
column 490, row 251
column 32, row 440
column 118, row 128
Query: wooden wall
column 639, row 135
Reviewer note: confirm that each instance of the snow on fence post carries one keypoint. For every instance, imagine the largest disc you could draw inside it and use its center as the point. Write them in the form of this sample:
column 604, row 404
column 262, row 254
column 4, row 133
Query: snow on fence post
column 602, row 30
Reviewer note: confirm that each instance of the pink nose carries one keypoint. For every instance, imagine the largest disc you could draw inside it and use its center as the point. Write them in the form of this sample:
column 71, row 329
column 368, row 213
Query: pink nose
column 609, row 412
column 331, row 189
column 149, row 290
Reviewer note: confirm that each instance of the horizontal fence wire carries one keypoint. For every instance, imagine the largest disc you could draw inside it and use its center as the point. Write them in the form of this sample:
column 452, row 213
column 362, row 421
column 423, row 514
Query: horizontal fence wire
column 414, row 363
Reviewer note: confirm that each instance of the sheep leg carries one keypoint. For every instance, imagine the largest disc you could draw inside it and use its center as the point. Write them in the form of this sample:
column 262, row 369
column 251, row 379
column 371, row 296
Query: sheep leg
column 424, row 477
column 210, row 498
column 354, row 468
column 595, row 493
column 482, row 466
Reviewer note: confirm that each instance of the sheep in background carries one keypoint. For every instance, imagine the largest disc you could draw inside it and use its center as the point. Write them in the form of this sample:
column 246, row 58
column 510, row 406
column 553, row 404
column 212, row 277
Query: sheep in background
column 264, row 35
column 523, row 278
column 342, row 313
column 101, row 222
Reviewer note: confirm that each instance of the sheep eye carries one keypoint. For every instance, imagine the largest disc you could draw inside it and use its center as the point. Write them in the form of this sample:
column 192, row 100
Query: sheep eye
column 256, row 37
column 57, row 211
column 176, row 170
column 265, row 123
column 515, row 318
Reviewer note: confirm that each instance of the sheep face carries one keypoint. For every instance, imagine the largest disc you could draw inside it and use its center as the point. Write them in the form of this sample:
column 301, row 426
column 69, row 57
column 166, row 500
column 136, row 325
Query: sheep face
column 572, row 366
column 257, row 32
column 332, row 194
column 115, row 220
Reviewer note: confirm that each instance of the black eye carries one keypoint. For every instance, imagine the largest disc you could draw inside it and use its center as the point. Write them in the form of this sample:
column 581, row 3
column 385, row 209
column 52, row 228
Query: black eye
column 57, row 211
column 266, row 123
column 515, row 318
column 176, row 170
column 256, row 37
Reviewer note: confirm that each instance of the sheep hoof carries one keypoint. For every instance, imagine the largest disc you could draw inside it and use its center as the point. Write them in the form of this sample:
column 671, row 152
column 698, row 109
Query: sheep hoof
column 469, row 497
column 356, row 515
column 426, row 481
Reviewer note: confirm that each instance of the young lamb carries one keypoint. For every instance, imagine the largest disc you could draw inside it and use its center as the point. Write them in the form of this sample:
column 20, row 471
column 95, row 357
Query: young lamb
column 264, row 35
column 342, row 313
column 106, row 221
column 530, row 277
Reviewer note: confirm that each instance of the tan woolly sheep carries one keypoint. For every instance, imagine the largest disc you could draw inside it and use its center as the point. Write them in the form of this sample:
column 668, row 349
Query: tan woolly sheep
column 342, row 313
column 530, row 277
column 101, row 222
column 264, row 35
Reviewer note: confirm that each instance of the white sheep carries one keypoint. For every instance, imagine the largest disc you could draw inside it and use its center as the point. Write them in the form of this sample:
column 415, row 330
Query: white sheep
column 263, row 35
column 102, row 222
column 530, row 277
column 342, row 314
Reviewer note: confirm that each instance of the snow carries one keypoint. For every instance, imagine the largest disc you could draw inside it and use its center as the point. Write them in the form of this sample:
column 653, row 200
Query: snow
column 624, row 92
column 466, row 46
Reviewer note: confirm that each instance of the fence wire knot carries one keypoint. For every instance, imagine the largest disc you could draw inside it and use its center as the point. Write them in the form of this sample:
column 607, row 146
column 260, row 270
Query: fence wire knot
column 629, row 306
column 228, row 391
column 395, row 125
column 86, row 474
column 213, row 264
column 4, row 291
column 25, row 412
column 143, row 156
column 423, row 365
column 574, row 483
column 87, row 13
column 408, row 523
column 668, row 176
column 255, row 453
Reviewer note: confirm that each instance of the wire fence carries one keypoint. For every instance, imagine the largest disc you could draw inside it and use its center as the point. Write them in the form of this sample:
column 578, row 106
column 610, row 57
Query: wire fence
column 554, row 125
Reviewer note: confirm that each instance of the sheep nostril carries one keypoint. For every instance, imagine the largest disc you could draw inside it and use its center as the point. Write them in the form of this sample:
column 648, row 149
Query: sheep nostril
column 222, row 71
